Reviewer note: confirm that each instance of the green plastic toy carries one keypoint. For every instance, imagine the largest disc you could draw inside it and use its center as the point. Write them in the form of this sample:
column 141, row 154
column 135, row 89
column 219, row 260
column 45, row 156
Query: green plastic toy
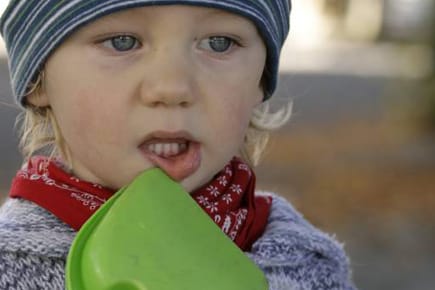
column 151, row 235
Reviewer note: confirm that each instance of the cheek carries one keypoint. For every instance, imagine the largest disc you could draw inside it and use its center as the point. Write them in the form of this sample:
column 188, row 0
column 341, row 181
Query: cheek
column 84, row 118
column 232, row 116
column 83, row 101
column 233, row 98
column 237, row 116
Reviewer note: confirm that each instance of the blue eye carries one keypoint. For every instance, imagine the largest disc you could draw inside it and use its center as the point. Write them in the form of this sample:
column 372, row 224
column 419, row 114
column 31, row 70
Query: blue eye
column 121, row 43
column 219, row 44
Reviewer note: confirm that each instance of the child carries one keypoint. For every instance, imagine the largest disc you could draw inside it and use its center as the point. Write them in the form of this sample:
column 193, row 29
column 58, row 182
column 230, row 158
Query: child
column 112, row 88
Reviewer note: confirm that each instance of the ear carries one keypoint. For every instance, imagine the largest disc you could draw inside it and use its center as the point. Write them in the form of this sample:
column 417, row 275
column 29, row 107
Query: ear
column 38, row 98
column 259, row 98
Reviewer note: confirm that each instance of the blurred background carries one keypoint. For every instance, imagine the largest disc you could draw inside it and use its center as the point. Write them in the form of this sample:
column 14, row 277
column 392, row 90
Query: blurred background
column 358, row 157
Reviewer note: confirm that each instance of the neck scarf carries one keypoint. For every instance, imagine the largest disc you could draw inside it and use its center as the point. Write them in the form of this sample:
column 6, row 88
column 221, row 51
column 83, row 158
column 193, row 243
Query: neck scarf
column 229, row 198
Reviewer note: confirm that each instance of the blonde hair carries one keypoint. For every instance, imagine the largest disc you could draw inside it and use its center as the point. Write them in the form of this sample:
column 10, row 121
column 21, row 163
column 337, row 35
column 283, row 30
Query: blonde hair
column 40, row 133
column 263, row 120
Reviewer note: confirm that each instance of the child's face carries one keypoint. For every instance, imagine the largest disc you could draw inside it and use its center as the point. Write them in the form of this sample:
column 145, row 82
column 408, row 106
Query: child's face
column 127, row 85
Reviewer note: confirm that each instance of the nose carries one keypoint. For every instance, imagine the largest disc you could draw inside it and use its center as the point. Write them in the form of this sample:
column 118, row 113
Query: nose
column 168, row 79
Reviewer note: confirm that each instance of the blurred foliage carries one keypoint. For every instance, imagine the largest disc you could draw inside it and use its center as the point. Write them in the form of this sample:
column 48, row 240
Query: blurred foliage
column 420, row 109
column 335, row 7
column 413, row 107
column 350, row 170
column 428, row 104
column 427, row 111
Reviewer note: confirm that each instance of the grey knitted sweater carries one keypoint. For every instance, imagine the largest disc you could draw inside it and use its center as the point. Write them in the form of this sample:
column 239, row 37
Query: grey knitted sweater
column 292, row 253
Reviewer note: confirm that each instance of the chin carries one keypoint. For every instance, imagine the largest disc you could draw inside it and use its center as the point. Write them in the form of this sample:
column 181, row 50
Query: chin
column 194, row 182
column 188, row 185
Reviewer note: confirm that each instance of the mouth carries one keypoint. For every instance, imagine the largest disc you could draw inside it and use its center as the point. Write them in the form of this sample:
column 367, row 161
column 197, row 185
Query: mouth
column 177, row 153
column 168, row 148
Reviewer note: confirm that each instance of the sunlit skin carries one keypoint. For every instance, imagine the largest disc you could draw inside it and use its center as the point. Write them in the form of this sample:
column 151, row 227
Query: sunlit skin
column 153, row 69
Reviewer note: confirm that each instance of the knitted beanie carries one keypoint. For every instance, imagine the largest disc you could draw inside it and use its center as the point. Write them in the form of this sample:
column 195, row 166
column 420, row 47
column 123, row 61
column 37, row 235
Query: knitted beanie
column 33, row 29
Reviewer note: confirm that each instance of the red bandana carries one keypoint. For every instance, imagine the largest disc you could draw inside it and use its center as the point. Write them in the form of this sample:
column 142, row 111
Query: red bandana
column 228, row 199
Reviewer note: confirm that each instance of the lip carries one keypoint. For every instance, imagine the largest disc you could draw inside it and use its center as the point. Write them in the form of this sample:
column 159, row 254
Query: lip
column 166, row 136
column 178, row 167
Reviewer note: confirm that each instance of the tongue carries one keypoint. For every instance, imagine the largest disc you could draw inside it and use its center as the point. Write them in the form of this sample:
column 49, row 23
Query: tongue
column 181, row 166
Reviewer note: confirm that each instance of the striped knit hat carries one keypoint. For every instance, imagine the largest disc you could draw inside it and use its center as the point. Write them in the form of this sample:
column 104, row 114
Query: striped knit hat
column 32, row 29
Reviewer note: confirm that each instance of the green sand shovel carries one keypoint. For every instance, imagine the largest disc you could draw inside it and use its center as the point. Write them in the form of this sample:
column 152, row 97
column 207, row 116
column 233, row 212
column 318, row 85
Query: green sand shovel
column 151, row 235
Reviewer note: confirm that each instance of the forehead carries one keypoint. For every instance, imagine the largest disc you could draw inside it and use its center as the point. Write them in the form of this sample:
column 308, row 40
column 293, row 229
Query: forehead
column 162, row 13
